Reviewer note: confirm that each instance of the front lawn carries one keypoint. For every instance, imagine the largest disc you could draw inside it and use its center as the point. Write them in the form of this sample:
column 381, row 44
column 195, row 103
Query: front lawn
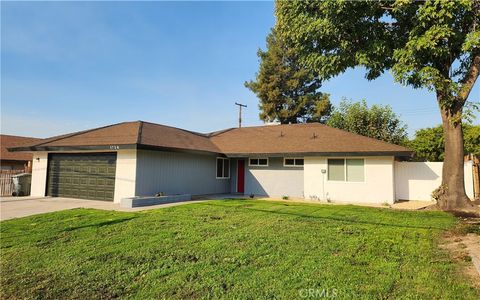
column 231, row 249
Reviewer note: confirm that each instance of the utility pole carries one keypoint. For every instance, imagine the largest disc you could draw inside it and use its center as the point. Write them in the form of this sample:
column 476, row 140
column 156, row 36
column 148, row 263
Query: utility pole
column 240, row 113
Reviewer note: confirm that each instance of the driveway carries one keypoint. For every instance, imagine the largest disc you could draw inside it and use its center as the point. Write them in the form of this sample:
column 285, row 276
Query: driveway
column 17, row 207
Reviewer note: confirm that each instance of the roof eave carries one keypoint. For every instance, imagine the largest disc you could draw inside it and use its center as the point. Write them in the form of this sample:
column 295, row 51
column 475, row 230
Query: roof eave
column 109, row 148
column 329, row 154
column 71, row 148
column 181, row 150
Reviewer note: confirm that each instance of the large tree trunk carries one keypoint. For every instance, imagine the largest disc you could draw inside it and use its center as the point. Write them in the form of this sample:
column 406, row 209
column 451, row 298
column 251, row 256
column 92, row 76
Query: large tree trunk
column 451, row 194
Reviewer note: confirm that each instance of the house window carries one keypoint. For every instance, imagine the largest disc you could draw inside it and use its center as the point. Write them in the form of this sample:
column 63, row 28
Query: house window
column 223, row 168
column 350, row 169
column 292, row 162
column 355, row 170
column 336, row 169
column 258, row 162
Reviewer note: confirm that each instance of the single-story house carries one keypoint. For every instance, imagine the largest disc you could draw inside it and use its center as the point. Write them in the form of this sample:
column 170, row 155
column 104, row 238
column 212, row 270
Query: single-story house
column 139, row 158
column 15, row 160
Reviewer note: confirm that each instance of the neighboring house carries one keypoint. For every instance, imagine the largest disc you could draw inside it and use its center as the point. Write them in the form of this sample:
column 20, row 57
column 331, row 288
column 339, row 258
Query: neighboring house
column 129, row 159
column 15, row 160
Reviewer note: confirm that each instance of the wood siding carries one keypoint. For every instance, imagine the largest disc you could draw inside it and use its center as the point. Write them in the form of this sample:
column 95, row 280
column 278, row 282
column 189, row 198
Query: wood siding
column 274, row 180
column 177, row 173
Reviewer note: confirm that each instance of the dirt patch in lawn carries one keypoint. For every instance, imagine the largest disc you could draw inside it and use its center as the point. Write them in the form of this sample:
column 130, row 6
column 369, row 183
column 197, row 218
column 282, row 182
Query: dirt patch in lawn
column 463, row 244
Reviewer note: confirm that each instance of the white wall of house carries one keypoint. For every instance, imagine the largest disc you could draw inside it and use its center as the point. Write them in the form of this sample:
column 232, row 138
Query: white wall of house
column 377, row 187
column 39, row 174
column 125, row 174
column 417, row 180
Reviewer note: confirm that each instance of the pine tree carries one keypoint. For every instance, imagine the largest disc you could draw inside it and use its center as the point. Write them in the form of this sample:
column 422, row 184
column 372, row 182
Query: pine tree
column 288, row 92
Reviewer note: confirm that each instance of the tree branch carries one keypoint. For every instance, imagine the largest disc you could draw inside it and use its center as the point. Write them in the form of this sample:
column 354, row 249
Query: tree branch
column 469, row 80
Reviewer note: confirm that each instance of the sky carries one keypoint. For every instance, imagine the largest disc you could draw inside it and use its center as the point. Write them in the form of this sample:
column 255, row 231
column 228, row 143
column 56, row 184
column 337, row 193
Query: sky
column 69, row 66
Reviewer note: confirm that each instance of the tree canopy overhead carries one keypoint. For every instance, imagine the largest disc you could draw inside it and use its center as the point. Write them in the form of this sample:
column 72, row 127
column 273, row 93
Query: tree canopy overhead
column 429, row 143
column 418, row 40
column 288, row 92
column 431, row 44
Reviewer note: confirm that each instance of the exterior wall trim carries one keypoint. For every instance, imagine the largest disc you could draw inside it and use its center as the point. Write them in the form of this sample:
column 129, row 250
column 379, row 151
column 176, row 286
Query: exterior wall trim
column 329, row 154
column 73, row 148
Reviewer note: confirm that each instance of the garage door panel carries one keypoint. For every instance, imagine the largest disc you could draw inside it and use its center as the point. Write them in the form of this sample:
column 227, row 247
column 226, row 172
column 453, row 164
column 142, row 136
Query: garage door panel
column 86, row 176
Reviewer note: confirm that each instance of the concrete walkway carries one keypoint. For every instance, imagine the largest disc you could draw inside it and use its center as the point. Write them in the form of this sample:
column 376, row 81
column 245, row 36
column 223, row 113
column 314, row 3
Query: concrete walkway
column 412, row 205
column 17, row 207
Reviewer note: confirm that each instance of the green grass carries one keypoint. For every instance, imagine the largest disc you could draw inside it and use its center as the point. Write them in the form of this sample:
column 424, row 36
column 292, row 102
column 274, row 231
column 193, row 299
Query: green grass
column 230, row 249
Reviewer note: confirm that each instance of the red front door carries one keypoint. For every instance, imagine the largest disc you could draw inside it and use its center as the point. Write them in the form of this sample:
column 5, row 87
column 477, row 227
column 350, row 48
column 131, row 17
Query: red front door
column 240, row 176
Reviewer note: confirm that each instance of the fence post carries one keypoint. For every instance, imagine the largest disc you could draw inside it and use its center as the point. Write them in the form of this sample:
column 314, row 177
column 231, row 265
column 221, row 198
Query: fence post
column 476, row 177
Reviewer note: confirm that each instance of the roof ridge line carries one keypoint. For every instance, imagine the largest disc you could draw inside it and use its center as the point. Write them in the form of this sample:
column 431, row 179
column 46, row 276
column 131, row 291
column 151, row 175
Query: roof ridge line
column 218, row 132
column 20, row 136
column 178, row 128
column 78, row 132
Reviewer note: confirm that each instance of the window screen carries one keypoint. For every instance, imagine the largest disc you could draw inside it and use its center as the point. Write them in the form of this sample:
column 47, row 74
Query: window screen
column 291, row 162
column 355, row 170
column 223, row 168
column 336, row 169
column 226, row 168
column 261, row 162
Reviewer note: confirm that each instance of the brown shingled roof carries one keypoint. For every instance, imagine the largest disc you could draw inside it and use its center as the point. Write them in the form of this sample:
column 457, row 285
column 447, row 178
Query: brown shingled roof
column 312, row 138
column 171, row 137
column 127, row 135
column 7, row 141
column 117, row 134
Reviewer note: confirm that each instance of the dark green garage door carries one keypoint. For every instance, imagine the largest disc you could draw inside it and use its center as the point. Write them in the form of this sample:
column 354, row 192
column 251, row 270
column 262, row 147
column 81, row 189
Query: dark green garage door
column 86, row 176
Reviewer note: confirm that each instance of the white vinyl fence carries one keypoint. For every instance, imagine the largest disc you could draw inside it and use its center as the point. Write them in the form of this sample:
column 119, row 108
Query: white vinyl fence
column 417, row 180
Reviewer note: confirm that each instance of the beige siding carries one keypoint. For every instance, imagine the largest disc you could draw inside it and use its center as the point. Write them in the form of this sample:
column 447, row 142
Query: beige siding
column 39, row 174
column 125, row 174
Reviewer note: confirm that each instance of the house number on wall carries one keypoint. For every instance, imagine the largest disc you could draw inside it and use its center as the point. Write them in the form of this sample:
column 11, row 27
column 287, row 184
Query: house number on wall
column 114, row 147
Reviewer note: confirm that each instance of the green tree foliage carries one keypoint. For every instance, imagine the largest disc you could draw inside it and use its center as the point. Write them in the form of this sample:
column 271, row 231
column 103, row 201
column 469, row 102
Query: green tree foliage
column 429, row 143
column 288, row 92
column 377, row 121
column 433, row 44
column 472, row 139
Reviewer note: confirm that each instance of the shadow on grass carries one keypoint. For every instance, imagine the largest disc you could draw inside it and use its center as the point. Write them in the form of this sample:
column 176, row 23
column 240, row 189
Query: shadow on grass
column 101, row 224
column 346, row 220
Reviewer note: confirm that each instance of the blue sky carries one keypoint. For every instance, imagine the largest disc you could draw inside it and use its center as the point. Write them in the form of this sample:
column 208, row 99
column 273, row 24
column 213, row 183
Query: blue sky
column 72, row 66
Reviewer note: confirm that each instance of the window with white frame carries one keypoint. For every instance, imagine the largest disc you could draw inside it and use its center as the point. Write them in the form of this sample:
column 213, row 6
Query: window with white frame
column 346, row 169
column 292, row 162
column 258, row 162
column 223, row 168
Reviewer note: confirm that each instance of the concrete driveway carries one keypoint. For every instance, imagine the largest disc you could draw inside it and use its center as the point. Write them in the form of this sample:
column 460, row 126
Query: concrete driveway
column 17, row 207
